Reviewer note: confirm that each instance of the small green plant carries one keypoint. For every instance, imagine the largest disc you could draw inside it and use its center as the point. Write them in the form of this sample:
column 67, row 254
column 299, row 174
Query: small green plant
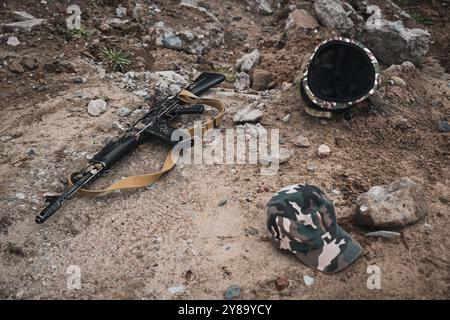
column 420, row 18
column 229, row 75
column 80, row 33
column 117, row 59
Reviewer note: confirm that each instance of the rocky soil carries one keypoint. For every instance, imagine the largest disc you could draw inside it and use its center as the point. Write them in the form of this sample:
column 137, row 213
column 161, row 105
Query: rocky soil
column 202, row 228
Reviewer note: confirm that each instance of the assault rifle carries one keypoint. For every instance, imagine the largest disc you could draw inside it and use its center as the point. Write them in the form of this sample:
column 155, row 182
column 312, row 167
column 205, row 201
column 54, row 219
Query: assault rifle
column 155, row 123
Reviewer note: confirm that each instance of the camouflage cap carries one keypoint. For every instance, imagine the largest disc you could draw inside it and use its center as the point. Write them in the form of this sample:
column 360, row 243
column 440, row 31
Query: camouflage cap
column 340, row 73
column 301, row 219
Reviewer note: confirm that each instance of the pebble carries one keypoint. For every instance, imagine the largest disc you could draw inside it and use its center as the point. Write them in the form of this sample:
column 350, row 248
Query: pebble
column 20, row 195
column 124, row 112
column 383, row 233
column 13, row 41
column 79, row 79
column 286, row 118
column 336, row 192
column 281, row 283
column 177, row 289
column 443, row 125
column 242, row 82
column 301, row 141
column 140, row 93
column 308, row 280
column 96, row 107
column 121, row 11
column 222, row 202
column 232, row 292
column 323, row 151
column 5, row 138
column 398, row 81
column 248, row 61
column 247, row 115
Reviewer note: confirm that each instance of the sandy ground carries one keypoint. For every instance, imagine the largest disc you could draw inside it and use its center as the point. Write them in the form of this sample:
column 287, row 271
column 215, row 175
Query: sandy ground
column 137, row 244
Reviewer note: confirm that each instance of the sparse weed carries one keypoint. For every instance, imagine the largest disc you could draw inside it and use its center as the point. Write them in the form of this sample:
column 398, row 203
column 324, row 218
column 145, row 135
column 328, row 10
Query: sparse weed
column 420, row 18
column 117, row 59
column 229, row 75
column 80, row 33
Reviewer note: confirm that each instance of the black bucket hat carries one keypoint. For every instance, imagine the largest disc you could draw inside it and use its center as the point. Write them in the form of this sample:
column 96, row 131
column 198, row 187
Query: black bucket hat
column 340, row 74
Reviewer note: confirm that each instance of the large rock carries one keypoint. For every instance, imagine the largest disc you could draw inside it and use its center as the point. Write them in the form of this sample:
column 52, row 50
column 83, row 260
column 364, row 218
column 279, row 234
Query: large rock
column 262, row 79
column 392, row 43
column 396, row 205
column 301, row 19
column 338, row 15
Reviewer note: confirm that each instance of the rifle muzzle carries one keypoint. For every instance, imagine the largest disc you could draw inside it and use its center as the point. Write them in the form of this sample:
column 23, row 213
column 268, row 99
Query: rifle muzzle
column 47, row 212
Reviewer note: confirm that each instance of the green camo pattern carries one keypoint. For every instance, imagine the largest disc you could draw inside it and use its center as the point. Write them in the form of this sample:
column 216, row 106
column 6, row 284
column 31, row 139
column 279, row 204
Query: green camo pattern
column 301, row 219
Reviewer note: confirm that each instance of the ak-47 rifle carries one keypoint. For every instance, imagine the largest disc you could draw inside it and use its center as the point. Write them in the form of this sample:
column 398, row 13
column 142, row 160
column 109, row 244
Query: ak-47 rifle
column 155, row 123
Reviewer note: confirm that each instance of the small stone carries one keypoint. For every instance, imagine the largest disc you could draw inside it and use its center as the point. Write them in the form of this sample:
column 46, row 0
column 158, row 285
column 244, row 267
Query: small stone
column 121, row 11
column 222, row 202
column 336, row 192
column 308, row 280
column 172, row 41
column 443, row 125
column 301, row 141
column 96, row 107
column 232, row 292
column 265, row 8
column 286, row 86
column 247, row 115
column 30, row 152
column 398, row 81
column 20, row 195
column 79, row 79
column 177, row 289
column 15, row 66
column 140, row 93
column 19, row 294
column 281, row 283
column 104, row 26
column 5, row 138
column 13, row 41
column 23, row 16
column 248, row 61
column 124, row 112
column 323, row 151
column 383, row 234
column 286, row 118
column 242, row 82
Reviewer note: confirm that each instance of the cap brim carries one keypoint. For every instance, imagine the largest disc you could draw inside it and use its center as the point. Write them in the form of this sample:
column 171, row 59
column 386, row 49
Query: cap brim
column 337, row 253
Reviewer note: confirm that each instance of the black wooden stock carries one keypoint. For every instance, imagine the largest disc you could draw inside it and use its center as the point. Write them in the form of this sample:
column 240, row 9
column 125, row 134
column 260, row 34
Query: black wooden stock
column 205, row 81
